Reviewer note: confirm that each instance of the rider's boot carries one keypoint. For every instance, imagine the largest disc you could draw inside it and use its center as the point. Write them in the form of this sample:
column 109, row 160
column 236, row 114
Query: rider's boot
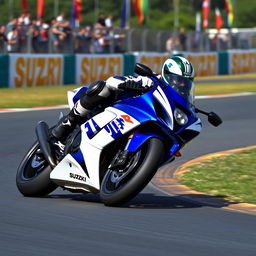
column 68, row 124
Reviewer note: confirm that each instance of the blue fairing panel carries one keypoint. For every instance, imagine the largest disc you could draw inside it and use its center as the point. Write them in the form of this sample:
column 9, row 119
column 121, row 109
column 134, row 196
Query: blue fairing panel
column 77, row 95
column 141, row 108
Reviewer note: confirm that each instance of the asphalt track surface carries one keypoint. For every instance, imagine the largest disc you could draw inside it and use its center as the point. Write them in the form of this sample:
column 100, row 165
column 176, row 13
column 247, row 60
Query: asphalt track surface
column 153, row 223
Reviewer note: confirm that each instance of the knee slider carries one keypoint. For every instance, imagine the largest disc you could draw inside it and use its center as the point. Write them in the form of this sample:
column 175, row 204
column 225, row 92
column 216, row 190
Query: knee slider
column 95, row 88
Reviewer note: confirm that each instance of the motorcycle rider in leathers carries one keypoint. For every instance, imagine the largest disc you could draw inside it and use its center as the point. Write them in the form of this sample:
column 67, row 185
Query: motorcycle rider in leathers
column 176, row 70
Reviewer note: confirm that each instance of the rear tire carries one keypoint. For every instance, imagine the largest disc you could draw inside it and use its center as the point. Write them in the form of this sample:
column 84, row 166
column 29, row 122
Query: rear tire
column 33, row 174
column 141, row 169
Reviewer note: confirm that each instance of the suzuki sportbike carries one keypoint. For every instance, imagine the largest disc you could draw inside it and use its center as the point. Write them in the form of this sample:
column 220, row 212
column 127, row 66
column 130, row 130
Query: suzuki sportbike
column 119, row 149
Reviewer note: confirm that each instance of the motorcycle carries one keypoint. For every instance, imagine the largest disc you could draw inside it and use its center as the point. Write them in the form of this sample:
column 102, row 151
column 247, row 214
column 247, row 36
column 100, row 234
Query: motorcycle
column 119, row 149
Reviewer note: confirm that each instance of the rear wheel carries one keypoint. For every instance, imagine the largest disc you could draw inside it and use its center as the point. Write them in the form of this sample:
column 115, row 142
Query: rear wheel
column 119, row 186
column 33, row 174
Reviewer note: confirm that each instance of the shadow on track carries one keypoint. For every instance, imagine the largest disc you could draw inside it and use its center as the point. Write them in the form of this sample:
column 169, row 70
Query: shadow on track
column 152, row 201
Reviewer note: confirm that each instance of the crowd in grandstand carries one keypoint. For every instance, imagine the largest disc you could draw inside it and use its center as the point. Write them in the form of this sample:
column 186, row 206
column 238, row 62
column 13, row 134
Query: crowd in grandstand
column 24, row 34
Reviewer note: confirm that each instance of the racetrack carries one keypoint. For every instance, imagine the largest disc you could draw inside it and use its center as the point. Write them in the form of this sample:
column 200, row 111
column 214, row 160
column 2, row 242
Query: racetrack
column 153, row 223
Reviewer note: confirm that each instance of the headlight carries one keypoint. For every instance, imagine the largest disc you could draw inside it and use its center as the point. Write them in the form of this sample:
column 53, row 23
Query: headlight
column 180, row 117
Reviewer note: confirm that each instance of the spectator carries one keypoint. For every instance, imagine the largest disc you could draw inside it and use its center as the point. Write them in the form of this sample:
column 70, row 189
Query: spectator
column 38, row 23
column 62, row 22
column 11, row 24
column 183, row 39
column 101, row 20
column 34, row 32
column 13, row 40
column 83, row 40
column 27, row 19
column 57, row 35
column 43, row 38
column 101, row 43
column 109, row 21
column 119, row 43
column 169, row 45
column 3, row 39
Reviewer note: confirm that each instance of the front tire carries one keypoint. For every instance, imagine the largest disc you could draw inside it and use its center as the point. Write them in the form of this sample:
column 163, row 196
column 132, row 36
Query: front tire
column 33, row 174
column 117, row 189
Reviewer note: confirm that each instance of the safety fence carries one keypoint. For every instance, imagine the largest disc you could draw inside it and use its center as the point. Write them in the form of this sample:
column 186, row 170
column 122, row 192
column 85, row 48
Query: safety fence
column 27, row 70
column 65, row 40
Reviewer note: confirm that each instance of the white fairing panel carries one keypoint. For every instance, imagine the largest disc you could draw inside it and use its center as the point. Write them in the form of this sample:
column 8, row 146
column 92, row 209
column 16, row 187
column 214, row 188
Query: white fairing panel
column 196, row 126
column 161, row 97
column 97, row 133
column 71, row 95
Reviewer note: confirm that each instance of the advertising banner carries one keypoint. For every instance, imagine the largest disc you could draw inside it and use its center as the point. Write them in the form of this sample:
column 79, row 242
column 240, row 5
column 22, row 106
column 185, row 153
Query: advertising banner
column 153, row 60
column 205, row 64
column 242, row 61
column 27, row 70
column 90, row 68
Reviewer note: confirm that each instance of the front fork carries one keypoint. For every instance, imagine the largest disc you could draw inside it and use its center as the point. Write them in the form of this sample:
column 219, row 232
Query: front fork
column 135, row 140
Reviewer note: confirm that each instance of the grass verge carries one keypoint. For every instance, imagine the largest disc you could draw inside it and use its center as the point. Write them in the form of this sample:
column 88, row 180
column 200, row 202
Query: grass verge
column 232, row 177
column 34, row 96
column 57, row 95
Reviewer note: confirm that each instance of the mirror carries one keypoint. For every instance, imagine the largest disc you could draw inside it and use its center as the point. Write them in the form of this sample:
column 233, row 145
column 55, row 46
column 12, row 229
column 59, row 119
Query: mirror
column 142, row 70
column 214, row 119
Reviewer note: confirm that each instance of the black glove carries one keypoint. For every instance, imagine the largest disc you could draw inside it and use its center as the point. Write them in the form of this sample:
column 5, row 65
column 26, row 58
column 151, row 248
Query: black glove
column 133, row 86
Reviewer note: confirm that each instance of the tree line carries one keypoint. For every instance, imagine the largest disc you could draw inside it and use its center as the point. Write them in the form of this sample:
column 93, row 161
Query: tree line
column 161, row 12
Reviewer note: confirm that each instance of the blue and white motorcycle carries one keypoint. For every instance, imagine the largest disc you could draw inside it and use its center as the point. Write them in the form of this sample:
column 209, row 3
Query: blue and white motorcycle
column 116, row 152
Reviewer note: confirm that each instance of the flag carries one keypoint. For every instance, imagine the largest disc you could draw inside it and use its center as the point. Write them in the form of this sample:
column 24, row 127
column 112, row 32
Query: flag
column 198, row 22
column 218, row 19
column 205, row 9
column 124, row 14
column 76, row 12
column 141, row 10
column 40, row 8
column 24, row 5
column 198, row 26
column 229, row 13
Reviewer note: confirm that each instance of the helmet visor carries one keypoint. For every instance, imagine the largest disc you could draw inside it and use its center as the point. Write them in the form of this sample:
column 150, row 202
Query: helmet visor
column 182, row 85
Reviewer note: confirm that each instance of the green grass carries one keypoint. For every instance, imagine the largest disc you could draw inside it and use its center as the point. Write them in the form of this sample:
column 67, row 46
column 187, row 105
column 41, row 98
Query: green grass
column 34, row 96
column 222, row 88
column 232, row 177
column 57, row 95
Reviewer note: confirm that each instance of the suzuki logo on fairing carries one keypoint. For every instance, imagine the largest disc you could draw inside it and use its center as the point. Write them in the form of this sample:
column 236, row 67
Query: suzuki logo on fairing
column 77, row 177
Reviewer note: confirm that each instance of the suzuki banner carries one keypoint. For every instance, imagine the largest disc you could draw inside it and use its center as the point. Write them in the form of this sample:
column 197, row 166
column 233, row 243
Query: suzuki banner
column 205, row 64
column 90, row 68
column 27, row 70
column 243, row 61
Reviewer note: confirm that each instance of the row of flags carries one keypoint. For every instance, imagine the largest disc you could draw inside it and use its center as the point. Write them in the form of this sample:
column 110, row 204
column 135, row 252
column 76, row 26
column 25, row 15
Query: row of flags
column 76, row 12
column 141, row 9
column 219, row 22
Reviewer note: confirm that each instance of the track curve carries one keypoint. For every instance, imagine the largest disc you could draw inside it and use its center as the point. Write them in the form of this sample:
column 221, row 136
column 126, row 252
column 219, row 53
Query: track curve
column 151, row 224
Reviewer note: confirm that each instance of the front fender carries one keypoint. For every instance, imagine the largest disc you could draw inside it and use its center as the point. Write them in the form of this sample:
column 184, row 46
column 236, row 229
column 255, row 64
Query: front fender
column 139, row 138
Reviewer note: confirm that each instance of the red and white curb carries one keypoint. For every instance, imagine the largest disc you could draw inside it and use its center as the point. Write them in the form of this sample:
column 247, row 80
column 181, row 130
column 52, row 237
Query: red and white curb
column 11, row 110
column 227, row 95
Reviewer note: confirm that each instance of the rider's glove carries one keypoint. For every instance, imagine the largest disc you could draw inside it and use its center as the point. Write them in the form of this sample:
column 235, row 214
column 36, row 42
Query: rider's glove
column 133, row 86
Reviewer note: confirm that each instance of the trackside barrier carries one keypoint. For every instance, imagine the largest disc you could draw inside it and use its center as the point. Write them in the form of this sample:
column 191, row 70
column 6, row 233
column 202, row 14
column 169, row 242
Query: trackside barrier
column 27, row 70
column 4, row 70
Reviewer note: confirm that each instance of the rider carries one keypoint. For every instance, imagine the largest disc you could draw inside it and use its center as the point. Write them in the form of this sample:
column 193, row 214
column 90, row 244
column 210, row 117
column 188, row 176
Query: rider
column 177, row 71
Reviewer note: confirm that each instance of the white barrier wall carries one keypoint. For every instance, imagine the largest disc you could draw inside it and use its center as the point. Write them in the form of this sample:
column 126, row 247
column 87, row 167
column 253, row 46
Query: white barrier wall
column 26, row 70
column 90, row 68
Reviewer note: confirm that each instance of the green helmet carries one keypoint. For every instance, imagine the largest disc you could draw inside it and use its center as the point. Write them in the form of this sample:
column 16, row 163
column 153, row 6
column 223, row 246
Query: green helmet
column 179, row 73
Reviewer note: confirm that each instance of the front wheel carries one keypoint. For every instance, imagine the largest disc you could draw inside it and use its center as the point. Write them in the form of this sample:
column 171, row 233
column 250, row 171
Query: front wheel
column 119, row 186
column 33, row 174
